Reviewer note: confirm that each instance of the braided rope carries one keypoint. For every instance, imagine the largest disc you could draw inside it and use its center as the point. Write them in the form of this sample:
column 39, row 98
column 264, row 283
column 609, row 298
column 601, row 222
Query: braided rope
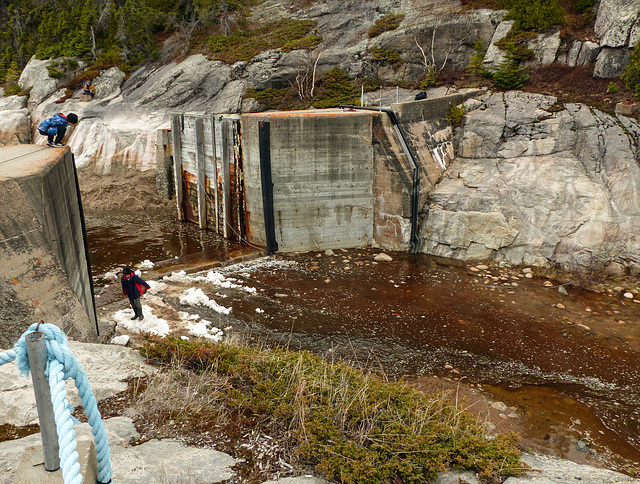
column 62, row 365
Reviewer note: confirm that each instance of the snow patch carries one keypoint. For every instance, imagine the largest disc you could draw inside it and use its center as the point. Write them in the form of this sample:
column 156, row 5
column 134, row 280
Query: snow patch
column 195, row 297
column 150, row 324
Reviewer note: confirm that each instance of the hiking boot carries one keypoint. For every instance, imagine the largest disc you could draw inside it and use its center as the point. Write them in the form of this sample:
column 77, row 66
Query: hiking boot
column 135, row 316
column 57, row 145
column 141, row 317
column 49, row 143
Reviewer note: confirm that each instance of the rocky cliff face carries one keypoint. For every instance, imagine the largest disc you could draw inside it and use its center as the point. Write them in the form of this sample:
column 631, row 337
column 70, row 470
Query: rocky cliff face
column 536, row 183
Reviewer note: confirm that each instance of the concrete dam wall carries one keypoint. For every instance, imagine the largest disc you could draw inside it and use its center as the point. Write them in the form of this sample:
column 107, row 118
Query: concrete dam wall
column 45, row 271
column 309, row 180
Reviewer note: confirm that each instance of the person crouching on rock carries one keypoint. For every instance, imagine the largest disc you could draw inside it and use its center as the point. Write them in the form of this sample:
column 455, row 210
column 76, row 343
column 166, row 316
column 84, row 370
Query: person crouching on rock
column 134, row 287
column 55, row 127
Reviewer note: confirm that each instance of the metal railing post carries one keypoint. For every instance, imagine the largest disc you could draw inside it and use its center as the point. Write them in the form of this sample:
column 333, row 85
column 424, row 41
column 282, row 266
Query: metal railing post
column 37, row 352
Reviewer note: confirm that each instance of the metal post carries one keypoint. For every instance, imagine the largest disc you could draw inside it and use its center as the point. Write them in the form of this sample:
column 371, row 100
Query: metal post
column 37, row 352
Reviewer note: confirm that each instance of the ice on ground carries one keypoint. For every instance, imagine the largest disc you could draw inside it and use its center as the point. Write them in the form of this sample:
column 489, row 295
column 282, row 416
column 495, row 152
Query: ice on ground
column 156, row 286
column 121, row 340
column 180, row 276
column 113, row 274
column 195, row 297
column 146, row 265
column 201, row 329
column 214, row 278
column 150, row 324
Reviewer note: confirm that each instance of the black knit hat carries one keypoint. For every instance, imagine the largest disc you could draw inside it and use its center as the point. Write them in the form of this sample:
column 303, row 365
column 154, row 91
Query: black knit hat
column 126, row 270
column 72, row 118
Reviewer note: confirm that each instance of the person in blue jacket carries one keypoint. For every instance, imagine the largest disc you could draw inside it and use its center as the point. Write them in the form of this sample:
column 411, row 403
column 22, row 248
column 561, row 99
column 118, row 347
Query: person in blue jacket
column 133, row 286
column 55, row 127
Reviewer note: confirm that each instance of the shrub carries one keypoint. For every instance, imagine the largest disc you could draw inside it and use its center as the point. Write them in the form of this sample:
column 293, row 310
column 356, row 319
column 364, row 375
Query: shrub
column 510, row 76
column 286, row 34
column 11, row 79
column 384, row 24
column 430, row 78
column 456, row 115
column 305, row 43
column 387, row 55
column 613, row 88
column 535, row 15
column 335, row 88
column 354, row 426
column 582, row 6
column 631, row 74
column 54, row 72
column 475, row 67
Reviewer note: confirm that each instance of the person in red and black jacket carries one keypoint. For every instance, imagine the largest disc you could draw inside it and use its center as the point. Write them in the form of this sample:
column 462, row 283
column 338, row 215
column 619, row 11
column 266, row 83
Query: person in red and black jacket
column 134, row 287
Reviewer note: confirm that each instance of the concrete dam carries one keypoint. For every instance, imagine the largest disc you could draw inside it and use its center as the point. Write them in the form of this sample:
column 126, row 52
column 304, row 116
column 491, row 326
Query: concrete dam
column 309, row 180
column 45, row 271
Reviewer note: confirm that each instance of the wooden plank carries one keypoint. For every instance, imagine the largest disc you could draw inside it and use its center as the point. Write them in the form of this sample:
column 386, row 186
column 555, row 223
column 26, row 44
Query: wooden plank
column 200, row 176
column 176, row 130
column 226, row 154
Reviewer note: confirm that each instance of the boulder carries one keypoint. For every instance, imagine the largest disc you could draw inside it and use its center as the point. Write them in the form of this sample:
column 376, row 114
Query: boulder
column 35, row 77
column 615, row 20
column 15, row 126
column 611, row 62
column 588, row 53
column 574, row 51
column 545, row 48
column 494, row 55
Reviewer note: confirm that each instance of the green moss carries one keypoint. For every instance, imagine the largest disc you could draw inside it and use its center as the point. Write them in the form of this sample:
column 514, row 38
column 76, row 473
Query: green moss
column 353, row 426
column 384, row 24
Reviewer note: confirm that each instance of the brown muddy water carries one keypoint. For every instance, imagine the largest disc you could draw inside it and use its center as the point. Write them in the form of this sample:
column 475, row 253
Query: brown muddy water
column 569, row 364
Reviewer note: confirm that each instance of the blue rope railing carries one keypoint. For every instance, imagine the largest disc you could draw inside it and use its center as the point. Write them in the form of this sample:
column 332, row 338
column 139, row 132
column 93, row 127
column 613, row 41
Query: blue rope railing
column 62, row 365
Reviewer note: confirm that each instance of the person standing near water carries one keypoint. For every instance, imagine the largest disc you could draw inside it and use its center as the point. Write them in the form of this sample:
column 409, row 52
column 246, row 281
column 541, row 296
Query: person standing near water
column 134, row 287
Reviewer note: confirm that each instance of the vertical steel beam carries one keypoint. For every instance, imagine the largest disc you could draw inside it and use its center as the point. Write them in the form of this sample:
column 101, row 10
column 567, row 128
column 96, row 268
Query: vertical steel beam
column 264, row 141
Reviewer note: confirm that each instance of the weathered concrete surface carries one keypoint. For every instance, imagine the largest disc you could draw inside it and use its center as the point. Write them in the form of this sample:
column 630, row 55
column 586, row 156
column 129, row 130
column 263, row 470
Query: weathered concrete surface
column 342, row 178
column 322, row 170
column 45, row 272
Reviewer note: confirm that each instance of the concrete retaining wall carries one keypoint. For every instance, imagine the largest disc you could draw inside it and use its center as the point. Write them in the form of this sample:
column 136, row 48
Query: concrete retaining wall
column 322, row 170
column 45, row 272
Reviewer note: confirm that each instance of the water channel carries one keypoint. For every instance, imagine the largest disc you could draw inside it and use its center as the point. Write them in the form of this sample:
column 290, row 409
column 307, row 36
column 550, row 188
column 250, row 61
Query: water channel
column 569, row 364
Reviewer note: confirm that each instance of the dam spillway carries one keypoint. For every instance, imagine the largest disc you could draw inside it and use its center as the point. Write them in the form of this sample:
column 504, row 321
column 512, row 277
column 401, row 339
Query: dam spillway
column 312, row 179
